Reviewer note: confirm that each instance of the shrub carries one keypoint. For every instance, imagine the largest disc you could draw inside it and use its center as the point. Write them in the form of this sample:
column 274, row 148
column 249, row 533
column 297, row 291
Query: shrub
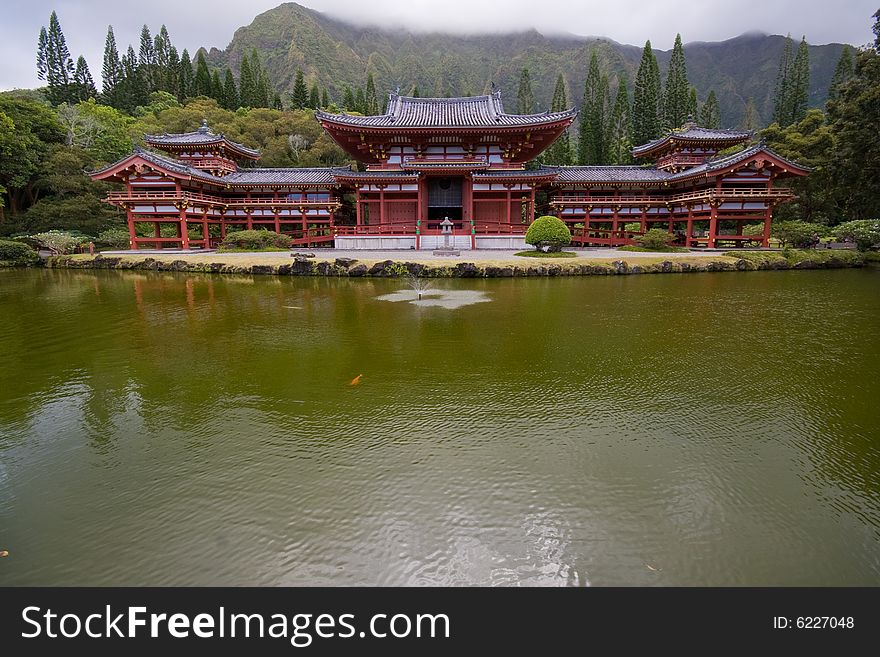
column 114, row 238
column 633, row 227
column 255, row 240
column 59, row 242
column 864, row 233
column 797, row 234
column 656, row 239
column 548, row 234
column 17, row 253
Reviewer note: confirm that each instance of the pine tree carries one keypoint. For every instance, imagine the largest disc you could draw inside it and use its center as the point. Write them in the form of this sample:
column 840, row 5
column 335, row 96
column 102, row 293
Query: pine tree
column 230, row 93
column 83, row 84
column 842, row 73
column 415, row 91
column 675, row 100
column 147, row 59
column 265, row 94
column 646, row 96
column 750, row 121
column 371, row 102
column 593, row 123
column 692, row 104
column 800, row 83
column 246, row 84
column 360, row 103
column 348, row 102
column 111, row 71
column 217, row 89
column 559, row 151
column 782, row 94
column 525, row 99
column 185, row 77
column 162, row 48
column 133, row 88
column 172, row 72
column 325, row 97
column 620, row 129
column 300, row 96
column 202, row 82
column 710, row 116
column 276, row 101
column 876, row 29
column 54, row 64
column 315, row 96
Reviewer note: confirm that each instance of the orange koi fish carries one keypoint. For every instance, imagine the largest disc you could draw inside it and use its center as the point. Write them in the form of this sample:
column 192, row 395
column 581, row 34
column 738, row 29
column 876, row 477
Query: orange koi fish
column 356, row 380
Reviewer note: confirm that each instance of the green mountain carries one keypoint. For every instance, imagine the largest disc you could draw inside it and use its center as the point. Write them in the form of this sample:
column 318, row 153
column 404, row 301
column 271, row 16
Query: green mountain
column 337, row 53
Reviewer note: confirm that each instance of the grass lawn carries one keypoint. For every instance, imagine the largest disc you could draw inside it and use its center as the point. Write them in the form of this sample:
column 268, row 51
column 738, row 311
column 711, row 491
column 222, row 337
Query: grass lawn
column 542, row 254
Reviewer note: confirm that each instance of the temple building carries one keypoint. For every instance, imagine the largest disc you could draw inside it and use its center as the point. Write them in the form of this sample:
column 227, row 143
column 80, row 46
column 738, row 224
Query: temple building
column 464, row 161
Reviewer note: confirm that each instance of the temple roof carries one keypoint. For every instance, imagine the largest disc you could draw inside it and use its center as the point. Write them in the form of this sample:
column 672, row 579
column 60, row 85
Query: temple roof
column 469, row 112
column 201, row 137
column 692, row 134
column 515, row 174
column 610, row 174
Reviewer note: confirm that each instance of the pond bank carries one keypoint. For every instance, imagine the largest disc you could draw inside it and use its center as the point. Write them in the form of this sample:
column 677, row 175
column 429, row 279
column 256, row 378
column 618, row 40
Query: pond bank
column 284, row 265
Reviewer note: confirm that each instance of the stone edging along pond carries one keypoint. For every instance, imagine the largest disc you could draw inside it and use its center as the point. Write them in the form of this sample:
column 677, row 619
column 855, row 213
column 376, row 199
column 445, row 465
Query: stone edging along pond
column 303, row 266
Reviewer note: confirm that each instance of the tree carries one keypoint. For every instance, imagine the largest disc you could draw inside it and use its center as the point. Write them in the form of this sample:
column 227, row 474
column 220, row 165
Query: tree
column 750, row 121
column 675, row 100
column 800, row 86
column 325, row 98
column 782, row 93
column 315, row 96
column 54, row 64
column 842, row 72
column 865, row 233
column 646, row 98
column 132, row 89
column 620, row 129
column 348, row 101
column 247, row 86
column 202, row 83
column 371, row 102
column 692, row 112
column 559, row 151
column 230, row 93
column 591, row 144
column 360, row 103
column 147, row 59
column 172, row 72
column 162, row 47
column 217, row 88
column 415, row 91
column 185, row 77
column 799, row 234
column 83, row 84
column 710, row 116
column 300, row 96
column 548, row 233
column 525, row 99
column 876, row 30
column 111, row 71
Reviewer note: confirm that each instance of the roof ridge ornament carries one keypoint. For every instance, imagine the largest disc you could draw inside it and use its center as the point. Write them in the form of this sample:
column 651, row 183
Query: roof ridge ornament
column 204, row 129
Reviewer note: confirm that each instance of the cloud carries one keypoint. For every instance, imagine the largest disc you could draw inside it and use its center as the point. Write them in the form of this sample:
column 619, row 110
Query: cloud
column 195, row 23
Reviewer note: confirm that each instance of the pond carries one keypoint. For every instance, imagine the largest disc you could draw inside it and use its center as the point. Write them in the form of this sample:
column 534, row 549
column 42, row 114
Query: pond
column 697, row 429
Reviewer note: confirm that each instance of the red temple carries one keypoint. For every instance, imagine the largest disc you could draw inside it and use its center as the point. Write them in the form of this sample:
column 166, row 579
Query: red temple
column 465, row 160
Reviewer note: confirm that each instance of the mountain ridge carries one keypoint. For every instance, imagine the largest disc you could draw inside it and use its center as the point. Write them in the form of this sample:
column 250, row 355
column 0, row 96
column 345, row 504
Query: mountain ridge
column 336, row 52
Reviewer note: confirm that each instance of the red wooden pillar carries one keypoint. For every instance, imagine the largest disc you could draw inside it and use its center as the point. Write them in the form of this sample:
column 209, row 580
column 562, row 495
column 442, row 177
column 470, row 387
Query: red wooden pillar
column 182, row 230
column 713, row 225
column 690, row 226
column 250, row 221
column 509, row 203
column 358, row 211
column 205, row 233
column 382, row 205
column 132, row 235
column 768, row 216
column 644, row 220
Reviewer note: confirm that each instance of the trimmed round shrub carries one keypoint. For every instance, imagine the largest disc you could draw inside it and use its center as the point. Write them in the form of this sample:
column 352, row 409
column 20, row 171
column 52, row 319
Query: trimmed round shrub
column 548, row 234
column 114, row 238
column 17, row 253
column 656, row 239
column 797, row 234
column 865, row 233
column 255, row 240
column 60, row 242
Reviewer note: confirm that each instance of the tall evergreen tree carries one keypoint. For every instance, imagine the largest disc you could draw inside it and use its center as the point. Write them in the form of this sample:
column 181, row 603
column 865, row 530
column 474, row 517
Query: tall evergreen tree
column 710, row 116
column 675, row 100
column 751, row 121
column 300, row 96
column 83, row 84
column 162, row 48
column 325, row 97
column 360, row 103
column 415, row 91
column 133, row 88
column 230, row 93
column 54, row 64
column 202, row 82
column 371, row 102
column 525, row 99
column 217, row 89
column 172, row 72
column 593, row 123
column 876, row 29
column 800, row 85
column 646, row 98
column 111, row 71
column 263, row 94
column 782, row 93
column 347, row 98
column 842, row 72
column 185, row 77
column 692, row 103
column 315, row 96
column 620, row 128
column 247, row 86
column 560, row 150
column 147, row 59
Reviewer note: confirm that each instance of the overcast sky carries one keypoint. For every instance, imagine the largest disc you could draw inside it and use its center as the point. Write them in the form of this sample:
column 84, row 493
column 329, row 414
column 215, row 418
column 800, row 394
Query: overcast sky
column 194, row 23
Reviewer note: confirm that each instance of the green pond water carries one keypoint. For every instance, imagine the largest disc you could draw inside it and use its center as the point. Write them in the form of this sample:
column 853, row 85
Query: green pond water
column 703, row 429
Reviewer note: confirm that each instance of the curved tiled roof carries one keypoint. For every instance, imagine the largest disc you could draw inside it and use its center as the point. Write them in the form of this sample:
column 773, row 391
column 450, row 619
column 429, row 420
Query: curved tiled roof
column 467, row 112
column 579, row 174
column 201, row 137
column 515, row 174
column 722, row 162
column 691, row 132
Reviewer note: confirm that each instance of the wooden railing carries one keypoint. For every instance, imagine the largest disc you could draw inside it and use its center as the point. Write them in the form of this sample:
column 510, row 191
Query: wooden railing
column 376, row 229
column 704, row 195
column 197, row 197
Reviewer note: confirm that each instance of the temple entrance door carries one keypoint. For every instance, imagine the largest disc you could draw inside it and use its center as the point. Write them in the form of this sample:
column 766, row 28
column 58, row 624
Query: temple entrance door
column 445, row 202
